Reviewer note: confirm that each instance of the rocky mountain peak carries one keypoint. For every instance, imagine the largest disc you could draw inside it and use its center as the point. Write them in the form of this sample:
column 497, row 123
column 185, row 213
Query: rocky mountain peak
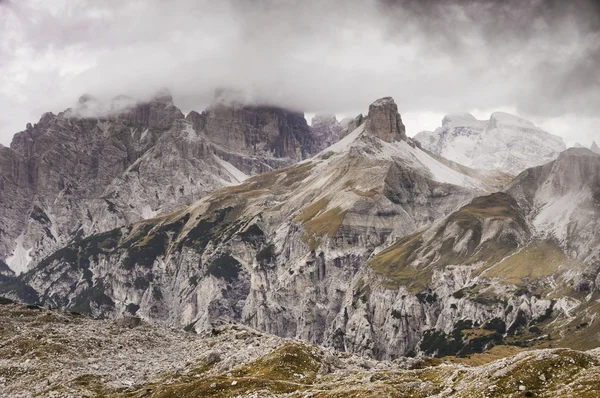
column 87, row 106
column 384, row 120
column 594, row 147
column 505, row 142
column 102, row 164
column 501, row 119
column 323, row 119
column 463, row 119
column 326, row 128
column 576, row 153
column 350, row 124
column 46, row 118
column 229, row 97
column 576, row 167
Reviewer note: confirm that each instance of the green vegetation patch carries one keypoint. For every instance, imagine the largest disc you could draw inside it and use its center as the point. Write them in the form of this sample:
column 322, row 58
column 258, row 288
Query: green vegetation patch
column 465, row 339
column 318, row 223
column 497, row 205
column 327, row 223
column 273, row 181
column 537, row 260
column 146, row 251
column 213, row 226
column 540, row 374
column 312, row 210
column 369, row 194
column 78, row 254
column 393, row 264
column 290, row 362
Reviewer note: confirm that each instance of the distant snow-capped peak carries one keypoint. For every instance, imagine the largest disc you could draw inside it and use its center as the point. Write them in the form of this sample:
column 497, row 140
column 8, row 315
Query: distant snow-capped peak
column 505, row 142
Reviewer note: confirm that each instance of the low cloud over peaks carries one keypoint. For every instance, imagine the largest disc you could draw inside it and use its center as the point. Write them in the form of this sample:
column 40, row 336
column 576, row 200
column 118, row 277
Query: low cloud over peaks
column 540, row 58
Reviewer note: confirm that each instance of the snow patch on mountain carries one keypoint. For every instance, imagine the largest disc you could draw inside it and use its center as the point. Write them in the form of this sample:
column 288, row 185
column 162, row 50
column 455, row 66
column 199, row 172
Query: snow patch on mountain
column 20, row 257
column 419, row 159
column 147, row 212
column 504, row 142
column 345, row 143
column 556, row 213
column 236, row 173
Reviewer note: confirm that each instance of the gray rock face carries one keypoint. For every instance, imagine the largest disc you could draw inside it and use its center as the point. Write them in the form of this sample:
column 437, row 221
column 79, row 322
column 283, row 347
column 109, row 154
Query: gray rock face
column 374, row 246
column 66, row 163
column 594, row 148
column 285, row 252
column 351, row 125
column 562, row 200
column 385, row 121
column 326, row 129
column 257, row 131
column 503, row 143
column 88, row 170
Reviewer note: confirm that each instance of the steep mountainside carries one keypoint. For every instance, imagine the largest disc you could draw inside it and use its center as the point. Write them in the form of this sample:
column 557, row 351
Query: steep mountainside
column 518, row 267
column 77, row 173
column 562, row 201
column 285, row 252
column 372, row 246
column 130, row 358
column 326, row 128
column 505, row 142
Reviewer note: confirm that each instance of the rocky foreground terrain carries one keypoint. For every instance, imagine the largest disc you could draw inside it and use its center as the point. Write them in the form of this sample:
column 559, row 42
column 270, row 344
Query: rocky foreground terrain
column 47, row 353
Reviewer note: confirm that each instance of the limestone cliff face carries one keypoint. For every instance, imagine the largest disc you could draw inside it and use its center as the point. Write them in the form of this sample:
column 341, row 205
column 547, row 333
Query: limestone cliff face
column 385, row 121
column 286, row 252
column 326, row 129
column 351, row 125
column 88, row 170
column 62, row 164
column 372, row 246
column 503, row 143
column 256, row 130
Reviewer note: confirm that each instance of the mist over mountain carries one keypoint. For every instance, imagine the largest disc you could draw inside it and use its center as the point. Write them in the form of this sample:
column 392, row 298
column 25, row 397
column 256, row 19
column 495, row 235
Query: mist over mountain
column 312, row 56
column 504, row 142
column 173, row 224
column 96, row 167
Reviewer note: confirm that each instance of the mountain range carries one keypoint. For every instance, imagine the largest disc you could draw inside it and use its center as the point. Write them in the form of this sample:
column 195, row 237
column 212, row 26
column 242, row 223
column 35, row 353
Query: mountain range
column 504, row 142
column 349, row 235
column 78, row 173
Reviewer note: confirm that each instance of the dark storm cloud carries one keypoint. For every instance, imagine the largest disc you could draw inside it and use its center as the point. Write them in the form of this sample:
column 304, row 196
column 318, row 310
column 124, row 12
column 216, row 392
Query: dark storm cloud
column 552, row 46
column 541, row 58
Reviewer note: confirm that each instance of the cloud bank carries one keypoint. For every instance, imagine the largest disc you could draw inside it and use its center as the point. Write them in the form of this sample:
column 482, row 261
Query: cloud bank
column 540, row 58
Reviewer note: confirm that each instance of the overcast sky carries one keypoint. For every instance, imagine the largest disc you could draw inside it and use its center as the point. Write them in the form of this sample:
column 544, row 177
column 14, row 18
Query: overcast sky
column 537, row 59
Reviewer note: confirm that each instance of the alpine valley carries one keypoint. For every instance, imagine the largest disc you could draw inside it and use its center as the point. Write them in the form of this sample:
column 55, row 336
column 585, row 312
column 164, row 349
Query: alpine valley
column 322, row 258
